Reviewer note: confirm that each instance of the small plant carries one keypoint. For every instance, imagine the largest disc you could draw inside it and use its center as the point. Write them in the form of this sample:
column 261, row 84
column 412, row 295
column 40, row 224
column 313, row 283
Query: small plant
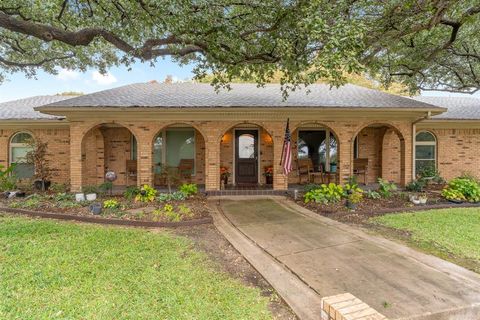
column 8, row 181
column 90, row 189
column 131, row 192
column 189, row 189
column 168, row 212
column 105, row 187
column 386, row 188
column 462, row 189
column 31, row 202
column 325, row 194
column 59, row 197
column 416, row 185
column 311, row 186
column 38, row 157
column 59, row 187
column 268, row 171
column 69, row 204
column 224, row 173
column 372, row 194
column 111, row 204
column 178, row 196
column 146, row 194
column 184, row 210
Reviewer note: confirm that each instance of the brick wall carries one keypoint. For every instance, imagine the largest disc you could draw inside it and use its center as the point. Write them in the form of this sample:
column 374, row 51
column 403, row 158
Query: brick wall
column 58, row 140
column 458, row 151
column 93, row 157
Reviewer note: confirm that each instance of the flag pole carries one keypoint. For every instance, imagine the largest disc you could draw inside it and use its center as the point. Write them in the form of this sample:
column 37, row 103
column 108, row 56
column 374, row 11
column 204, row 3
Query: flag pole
column 283, row 146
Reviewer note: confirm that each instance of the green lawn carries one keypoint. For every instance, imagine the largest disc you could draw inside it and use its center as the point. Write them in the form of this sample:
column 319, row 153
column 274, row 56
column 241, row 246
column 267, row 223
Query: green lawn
column 57, row 270
column 453, row 234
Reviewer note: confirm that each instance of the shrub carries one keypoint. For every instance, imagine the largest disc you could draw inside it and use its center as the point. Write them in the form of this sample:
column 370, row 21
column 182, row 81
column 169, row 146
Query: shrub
column 325, row 194
column 90, row 189
column 8, row 181
column 131, row 192
column 372, row 194
column 59, row 197
column 416, row 185
column 462, row 189
column 111, row 204
column 355, row 196
column 105, row 187
column 176, row 196
column 168, row 212
column 38, row 157
column 311, row 186
column 386, row 188
column 189, row 189
column 146, row 194
column 59, row 187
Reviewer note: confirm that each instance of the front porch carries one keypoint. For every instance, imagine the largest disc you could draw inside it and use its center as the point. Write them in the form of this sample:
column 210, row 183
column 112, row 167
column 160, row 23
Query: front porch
column 238, row 157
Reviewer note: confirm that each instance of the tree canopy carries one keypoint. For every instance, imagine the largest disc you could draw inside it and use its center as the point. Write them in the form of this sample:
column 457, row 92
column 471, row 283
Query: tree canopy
column 431, row 44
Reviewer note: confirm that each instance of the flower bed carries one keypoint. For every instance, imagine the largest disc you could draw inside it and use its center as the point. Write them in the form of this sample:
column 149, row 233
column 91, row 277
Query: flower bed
column 135, row 205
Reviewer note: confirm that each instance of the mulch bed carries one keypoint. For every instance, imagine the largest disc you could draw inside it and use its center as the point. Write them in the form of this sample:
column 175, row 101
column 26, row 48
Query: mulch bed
column 133, row 213
column 368, row 208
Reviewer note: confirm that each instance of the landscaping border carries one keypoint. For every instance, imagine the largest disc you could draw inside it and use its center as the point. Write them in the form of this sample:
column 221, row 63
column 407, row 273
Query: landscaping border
column 108, row 221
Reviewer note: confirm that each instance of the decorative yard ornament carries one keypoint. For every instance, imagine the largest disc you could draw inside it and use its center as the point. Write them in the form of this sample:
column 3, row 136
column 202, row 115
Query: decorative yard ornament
column 110, row 176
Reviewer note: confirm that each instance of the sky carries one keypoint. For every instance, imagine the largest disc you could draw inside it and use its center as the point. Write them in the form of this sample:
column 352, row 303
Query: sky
column 18, row 86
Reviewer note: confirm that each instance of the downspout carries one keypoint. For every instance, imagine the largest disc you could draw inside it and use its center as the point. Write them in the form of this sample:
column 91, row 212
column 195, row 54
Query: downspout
column 428, row 116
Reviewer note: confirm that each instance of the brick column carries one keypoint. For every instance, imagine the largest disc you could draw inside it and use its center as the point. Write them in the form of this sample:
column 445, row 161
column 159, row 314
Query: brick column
column 76, row 138
column 212, row 162
column 345, row 156
column 277, row 130
column 144, row 159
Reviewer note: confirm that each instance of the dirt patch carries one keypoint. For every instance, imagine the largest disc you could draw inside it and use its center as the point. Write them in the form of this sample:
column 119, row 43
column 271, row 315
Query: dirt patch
column 209, row 240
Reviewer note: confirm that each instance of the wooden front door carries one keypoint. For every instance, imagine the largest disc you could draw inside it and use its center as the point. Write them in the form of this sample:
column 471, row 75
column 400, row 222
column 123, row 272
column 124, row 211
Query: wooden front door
column 246, row 156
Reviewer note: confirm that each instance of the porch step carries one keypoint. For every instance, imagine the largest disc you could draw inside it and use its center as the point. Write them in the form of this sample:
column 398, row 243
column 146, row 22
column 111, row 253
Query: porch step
column 259, row 192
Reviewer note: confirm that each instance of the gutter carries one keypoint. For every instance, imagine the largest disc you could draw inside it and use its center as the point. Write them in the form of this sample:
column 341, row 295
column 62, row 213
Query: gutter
column 428, row 116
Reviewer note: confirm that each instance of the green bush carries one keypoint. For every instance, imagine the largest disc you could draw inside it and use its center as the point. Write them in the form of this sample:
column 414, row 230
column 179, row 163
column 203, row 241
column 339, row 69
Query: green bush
column 105, row 187
column 311, row 186
column 175, row 196
column 325, row 194
column 416, row 185
column 131, row 192
column 372, row 194
column 8, row 181
column 111, row 204
column 462, row 189
column 189, row 189
column 90, row 189
column 146, row 194
column 59, row 197
column 386, row 188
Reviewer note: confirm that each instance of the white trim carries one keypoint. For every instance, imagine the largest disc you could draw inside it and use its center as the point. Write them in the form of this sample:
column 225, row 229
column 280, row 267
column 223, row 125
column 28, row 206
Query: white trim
column 424, row 143
column 234, row 144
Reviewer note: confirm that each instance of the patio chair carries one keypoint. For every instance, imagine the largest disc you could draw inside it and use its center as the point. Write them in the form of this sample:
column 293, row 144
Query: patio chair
column 131, row 171
column 360, row 167
column 305, row 169
column 185, row 169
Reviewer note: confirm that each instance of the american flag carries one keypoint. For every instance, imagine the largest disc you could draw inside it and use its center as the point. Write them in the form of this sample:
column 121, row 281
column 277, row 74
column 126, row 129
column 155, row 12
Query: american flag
column 286, row 161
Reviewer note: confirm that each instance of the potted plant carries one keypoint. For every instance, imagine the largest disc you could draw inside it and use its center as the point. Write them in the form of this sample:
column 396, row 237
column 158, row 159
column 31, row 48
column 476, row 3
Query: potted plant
column 423, row 199
column 333, row 166
column 38, row 157
column 224, row 174
column 268, row 173
column 90, row 192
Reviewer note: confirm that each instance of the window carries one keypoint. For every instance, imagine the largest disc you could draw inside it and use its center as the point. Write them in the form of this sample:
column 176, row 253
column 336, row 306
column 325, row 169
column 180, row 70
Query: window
column 133, row 148
column 246, row 146
column 425, row 151
column 173, row 145
column 318, row 145
column 19, row 148
column 355, row 148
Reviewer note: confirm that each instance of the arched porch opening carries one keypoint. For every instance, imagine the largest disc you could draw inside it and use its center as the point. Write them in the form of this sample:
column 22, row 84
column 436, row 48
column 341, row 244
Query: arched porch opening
column 379, row 152
column 178, row 156
column 315, row 154
column 109, row 147
column 246, row 157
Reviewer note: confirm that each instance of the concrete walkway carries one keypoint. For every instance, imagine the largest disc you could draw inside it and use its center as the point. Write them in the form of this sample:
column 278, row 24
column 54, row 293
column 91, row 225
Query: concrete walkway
column 333, row 258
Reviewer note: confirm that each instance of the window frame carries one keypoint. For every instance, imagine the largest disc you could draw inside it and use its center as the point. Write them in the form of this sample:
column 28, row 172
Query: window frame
column 12, row 145
column 433, row 143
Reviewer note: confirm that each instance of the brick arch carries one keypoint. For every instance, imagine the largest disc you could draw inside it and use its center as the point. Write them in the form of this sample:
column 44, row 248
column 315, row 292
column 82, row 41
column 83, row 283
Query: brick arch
column 315, row 124
column 389, row 159
column 97, row 156
column 200, row 150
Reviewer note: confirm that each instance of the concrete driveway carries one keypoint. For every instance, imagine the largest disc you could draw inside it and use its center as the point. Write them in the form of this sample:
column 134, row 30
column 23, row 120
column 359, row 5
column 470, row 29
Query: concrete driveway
column 333, row 258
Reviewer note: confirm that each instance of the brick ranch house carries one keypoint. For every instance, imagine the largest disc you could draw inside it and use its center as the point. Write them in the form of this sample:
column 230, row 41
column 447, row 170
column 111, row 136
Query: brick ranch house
column 136, row 129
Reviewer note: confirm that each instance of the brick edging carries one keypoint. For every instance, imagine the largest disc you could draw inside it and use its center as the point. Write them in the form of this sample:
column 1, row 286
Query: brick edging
column 108, row 221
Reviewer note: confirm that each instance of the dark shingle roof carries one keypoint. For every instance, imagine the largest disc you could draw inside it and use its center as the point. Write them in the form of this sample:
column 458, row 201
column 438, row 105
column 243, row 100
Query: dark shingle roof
column 23, row 109
column 179, row 95
column 459, row 108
